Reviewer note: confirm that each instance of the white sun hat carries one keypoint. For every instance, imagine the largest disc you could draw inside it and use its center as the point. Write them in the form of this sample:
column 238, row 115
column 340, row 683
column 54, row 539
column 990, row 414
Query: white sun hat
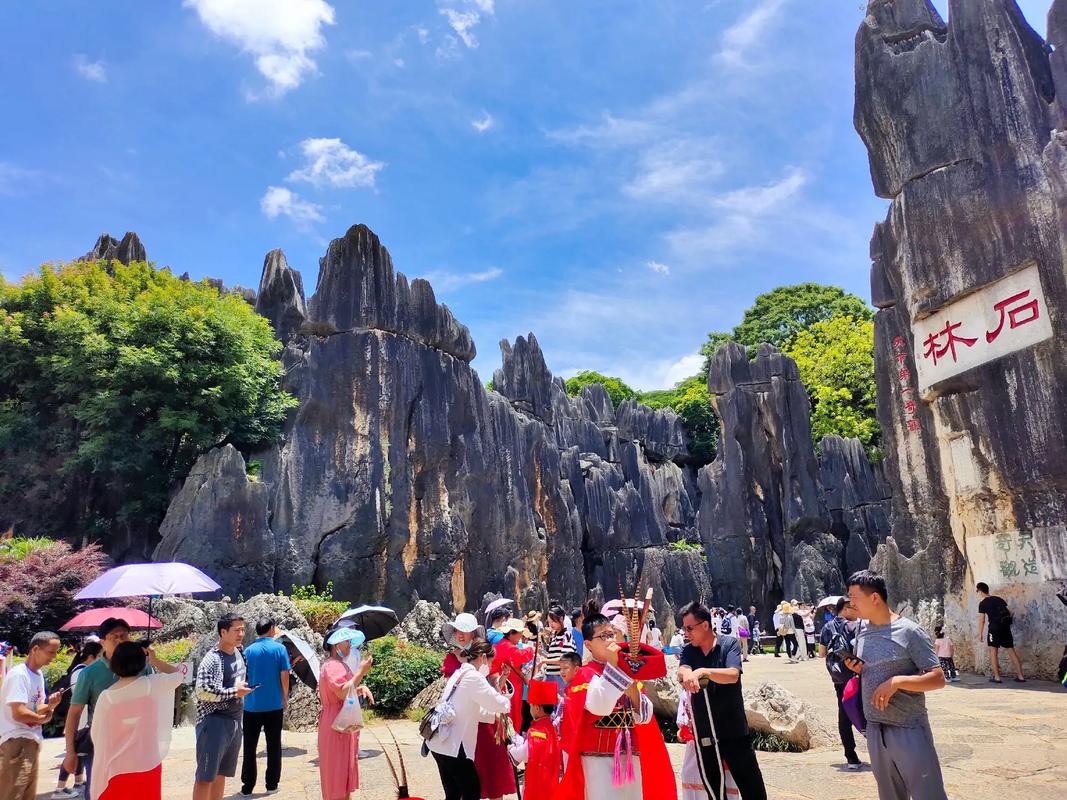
column 464, row 623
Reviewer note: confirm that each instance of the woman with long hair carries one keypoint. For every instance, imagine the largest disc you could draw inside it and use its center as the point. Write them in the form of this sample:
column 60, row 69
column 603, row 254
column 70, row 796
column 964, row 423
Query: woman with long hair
column 560, row 642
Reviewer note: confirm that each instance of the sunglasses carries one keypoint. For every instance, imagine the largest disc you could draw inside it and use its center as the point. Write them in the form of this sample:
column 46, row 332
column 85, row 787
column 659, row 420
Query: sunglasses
column 691, row 628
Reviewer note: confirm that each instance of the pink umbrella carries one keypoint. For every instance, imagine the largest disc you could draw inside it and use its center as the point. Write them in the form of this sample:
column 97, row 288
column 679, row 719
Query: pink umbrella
column 94, row 618
column 148, row 580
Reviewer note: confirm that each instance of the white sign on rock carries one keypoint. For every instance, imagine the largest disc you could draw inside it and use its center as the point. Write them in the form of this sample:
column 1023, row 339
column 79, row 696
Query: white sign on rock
column 1001, row 318
column 1013, row 557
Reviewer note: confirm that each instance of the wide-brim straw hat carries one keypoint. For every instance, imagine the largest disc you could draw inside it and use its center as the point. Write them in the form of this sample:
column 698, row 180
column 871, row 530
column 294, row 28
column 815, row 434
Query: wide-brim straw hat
column 512, row 626
column 465, row 623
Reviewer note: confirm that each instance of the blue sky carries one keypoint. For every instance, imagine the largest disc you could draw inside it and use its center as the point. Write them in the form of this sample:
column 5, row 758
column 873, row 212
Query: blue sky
column 618, row 177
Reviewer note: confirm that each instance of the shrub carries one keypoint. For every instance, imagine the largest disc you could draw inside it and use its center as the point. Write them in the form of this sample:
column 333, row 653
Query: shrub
column 399, row 673
column 683, row 546
column 174, row 651
column 38, row 583
column 319, row 608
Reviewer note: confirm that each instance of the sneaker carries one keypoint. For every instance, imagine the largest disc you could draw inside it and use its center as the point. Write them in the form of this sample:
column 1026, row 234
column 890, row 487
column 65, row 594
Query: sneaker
column 1020, row 680
column 855, row 766
column 954, row 679
column 64, row 793
column 995, row 680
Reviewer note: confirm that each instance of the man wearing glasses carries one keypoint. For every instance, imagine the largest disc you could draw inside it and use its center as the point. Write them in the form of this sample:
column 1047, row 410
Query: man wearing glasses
column 616, row 750
column 710, row 672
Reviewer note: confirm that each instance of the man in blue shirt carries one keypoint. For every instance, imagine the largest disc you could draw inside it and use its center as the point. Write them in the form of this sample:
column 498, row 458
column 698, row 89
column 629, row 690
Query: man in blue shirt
column 267, row 662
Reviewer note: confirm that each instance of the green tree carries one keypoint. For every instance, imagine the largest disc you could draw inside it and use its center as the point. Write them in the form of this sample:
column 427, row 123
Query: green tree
column 716, row 339
column 616, row 389
column 114, row 379
column 835, row 358
column 692, row 403
column 779, row 315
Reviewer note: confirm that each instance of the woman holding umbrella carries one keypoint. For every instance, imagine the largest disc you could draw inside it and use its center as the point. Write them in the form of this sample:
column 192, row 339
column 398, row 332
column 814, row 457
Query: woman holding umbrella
column 339, row 752
column 491, row 761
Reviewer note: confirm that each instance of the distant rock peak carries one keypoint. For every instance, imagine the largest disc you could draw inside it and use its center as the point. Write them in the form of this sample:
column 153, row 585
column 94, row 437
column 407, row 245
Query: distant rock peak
column 108, row 248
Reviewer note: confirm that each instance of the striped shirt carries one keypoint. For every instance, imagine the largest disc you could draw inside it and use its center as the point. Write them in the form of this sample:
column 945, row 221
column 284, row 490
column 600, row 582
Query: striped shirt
column 216, row 685
column 559, row 644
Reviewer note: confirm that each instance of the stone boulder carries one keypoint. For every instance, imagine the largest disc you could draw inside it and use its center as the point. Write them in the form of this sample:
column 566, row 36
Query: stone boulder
column 429, row 697
column 304, row 707
column 281, row 296
column 772, row 709
column 284, row 612
column 422, row 625
column 218, row 523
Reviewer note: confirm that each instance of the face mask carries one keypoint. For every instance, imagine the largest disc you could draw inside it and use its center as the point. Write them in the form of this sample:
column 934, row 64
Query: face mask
column 483, row 670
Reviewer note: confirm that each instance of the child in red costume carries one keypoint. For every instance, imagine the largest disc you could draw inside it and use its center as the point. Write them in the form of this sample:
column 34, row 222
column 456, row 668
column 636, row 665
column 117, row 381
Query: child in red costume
column 540, row 748
column 616, row 750
column 509, row 660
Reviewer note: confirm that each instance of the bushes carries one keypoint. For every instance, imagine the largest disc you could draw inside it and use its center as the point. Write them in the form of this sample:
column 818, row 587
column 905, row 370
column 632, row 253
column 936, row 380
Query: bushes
column 38, row 580
column 319, row 608
column 175, row 651
column 399, row 673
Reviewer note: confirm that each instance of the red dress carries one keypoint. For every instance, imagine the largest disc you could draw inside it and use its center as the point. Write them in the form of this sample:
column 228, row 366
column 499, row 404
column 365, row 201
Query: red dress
column 491, row 759
column 507, row 655
column 544, row 762
column 657, row 774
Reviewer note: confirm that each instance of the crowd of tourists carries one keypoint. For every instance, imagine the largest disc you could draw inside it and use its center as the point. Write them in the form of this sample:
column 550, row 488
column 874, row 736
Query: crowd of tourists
column 558, row 698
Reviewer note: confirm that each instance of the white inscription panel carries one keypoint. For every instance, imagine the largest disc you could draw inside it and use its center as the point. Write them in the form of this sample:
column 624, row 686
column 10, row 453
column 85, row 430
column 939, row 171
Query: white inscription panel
column 1004, row 317
column 1013, row 557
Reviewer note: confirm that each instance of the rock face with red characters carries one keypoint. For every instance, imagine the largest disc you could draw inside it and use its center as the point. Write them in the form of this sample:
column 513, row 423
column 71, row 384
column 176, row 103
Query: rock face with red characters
column 962, row 124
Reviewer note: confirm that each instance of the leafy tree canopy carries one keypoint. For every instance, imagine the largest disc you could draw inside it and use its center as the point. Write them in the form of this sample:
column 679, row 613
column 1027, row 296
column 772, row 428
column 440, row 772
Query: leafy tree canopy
column 114, row 378
column 779, row 315
column 616, row 389
column 835, row 358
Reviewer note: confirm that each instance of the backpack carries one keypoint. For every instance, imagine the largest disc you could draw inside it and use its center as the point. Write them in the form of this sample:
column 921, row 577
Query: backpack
column 840, row 638
column 725, row 627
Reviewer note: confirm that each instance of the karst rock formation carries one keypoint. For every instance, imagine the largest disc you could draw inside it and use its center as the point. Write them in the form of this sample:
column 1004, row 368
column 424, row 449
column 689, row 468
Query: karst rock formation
column 401, row 477
column 967, row 136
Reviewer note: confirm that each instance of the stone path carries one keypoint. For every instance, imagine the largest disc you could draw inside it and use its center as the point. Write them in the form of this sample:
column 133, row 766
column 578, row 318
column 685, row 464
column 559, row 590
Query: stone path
column 995, row 743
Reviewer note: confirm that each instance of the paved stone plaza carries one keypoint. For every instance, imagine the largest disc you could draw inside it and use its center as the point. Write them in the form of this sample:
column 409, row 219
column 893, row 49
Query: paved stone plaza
column 996, row 743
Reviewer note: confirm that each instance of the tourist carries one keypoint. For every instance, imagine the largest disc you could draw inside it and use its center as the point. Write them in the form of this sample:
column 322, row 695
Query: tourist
column 577, row 617
column 25, row 707
column 539, row 749
column 607, row 708
column 789, row 632
column 131, row 728
column 779, row 620
column 711, row 667
column 944, row 649
column 739, row 626
column 994, row 610
column 509, row 662
column 90, row 651
column 752, row 618
column 655, row 635
column 495, row 774
column 837, row 639
column 807, row 614
column 560, row 642
column 755, row 645
column 800, row 650
column 473, row 697
column 897, row 665
column 677, row 642
column 339, row 751
column 494, row 620
column 621, row 627
column 220, row 692
column 267, row 665
column 570, row 663
column 92, row 682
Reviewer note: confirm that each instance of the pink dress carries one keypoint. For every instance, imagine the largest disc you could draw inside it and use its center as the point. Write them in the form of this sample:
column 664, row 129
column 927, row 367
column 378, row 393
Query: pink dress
column 338, row 752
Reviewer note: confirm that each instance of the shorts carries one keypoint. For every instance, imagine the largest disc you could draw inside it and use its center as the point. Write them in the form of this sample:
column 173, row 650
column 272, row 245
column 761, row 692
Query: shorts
column 218, row 744
column 1000, row 637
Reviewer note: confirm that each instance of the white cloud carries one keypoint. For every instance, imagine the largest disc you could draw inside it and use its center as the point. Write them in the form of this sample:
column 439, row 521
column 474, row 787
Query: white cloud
column 446, row 280
column 485, row 123
column 743, row 37
column 658, row 268
column 95, row 71
column 485, row 6
column 358, row 55
column 280, row 34
column 448, row 49
column 281, row 201
column 754, row 200
column 611, row 132
column 399, row 62
column 684, row 367
column 462, row 22
column 423, row 34
column 330, row 162
column 12, row 177
column 675, row 170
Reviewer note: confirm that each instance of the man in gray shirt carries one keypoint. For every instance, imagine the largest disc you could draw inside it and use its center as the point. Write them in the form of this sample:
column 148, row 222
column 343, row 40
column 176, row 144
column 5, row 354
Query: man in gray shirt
column 897, row 665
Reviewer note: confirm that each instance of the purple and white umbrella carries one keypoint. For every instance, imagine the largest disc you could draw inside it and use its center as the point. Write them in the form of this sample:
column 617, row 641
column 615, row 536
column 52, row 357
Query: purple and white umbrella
column 148, row 580
column 503, row 601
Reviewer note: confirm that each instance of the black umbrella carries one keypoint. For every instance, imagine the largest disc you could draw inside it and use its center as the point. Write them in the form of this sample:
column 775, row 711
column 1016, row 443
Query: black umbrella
column 374, row 621
column 302, row 657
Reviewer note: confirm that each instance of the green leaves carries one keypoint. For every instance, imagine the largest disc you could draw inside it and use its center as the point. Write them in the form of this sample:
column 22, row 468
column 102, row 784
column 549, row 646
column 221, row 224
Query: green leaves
column 400, row 672
column 113, row 383
column 692, row 402
column 616, row 389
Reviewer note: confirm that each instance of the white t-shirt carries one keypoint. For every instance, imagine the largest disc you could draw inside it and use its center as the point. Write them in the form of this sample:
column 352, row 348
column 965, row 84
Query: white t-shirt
column 22, row 685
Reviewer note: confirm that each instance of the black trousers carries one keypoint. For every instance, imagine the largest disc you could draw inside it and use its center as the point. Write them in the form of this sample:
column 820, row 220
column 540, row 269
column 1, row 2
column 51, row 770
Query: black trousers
column 741, row 760
column 459, row 778
column 790, row 644
column 844, row 727
column 270, row 722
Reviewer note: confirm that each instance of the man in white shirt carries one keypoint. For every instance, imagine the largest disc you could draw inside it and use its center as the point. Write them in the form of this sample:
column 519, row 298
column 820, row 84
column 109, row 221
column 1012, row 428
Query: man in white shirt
column 24, row 709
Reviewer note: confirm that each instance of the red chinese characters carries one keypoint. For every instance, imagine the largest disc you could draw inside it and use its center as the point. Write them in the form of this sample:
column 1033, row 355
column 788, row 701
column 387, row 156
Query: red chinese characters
column 936, row 350
column 911, row 408
column 1014, row 314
